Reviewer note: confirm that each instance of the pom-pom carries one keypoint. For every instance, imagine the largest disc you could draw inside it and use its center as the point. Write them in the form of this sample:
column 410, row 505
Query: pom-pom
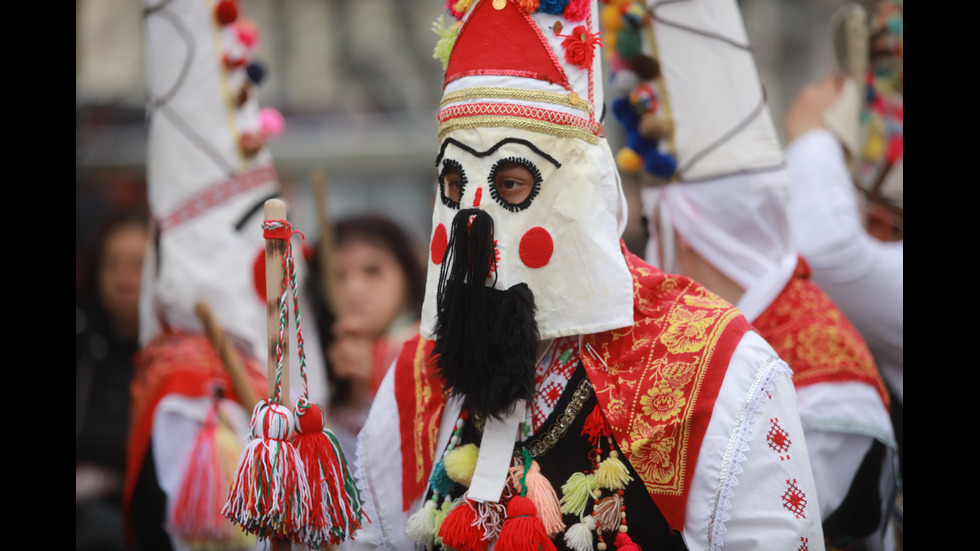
column 580, row 46
column 577, row 10
column 629, row 161
column 578, row 537
column 256, row 72
column 530, row 6
column 273, row 124
column 625, row 543
column 607, row 513
column 554, row 7
column 629, row 43
column 611, row 19
column 439, row 481
column 462, row 6
column 438, row 517
column 247, row 33
column 635, row 15
column 459, row 531
column 461, row 462
column 451, row 7
column 421, row 525
column 576, row 493
column 270, row 493
column 612, row 473
column 447, row 39
column 244, row 91
column 196, row 518
column 250, row 143
column 226, row 12
column 540, row 492
column 523, row 530
column 335, row 513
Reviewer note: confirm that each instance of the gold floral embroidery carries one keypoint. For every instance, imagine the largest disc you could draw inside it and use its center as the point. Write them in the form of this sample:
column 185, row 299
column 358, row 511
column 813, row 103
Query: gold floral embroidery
column 662, row 403
column 654, row 457
column 678, row 374
column 687, row 330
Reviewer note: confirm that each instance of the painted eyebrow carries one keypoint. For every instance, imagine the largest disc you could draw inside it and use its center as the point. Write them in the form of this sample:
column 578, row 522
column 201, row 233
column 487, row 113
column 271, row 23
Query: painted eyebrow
column 496, row 146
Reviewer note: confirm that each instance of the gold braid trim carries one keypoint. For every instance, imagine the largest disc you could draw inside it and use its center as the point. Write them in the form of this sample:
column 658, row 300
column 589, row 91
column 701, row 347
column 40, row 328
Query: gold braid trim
column 488, row 92
column 484, row 121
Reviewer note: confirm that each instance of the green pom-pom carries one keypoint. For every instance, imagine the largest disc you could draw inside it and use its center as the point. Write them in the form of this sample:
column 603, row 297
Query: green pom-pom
column 440, row 481
column 576, row 493
column 629, row 43
column 447, row 39
column 437, row 517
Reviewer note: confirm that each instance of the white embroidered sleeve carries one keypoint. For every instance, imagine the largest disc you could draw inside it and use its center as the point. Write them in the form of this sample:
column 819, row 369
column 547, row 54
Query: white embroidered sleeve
column 753, row 486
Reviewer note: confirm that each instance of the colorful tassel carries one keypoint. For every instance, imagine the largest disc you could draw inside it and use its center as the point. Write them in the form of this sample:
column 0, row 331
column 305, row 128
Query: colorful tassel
column 421, row 525
column 335, row 513
column 577, row 10
column 461, row 462
column 541, row 493
column 272, row 122
column 612, row 473
column 196, row 518
column 226, row 12
column 447, row 39
column 607, row 513
column 625, row 543
column 459, row 531
column 576, row 494
column 596, row 428
column 578, row 537
column 438, row 517
column 270, row 494
column 523, row 530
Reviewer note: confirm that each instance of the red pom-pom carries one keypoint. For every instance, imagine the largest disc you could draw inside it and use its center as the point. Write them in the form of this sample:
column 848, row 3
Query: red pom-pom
column 226, row 12
column 460, row 531
column 523, row 530
column 580, row 46
column 625, row 543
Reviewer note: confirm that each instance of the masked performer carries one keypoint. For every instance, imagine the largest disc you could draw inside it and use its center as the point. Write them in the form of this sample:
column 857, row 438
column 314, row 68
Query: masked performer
column 564, row 393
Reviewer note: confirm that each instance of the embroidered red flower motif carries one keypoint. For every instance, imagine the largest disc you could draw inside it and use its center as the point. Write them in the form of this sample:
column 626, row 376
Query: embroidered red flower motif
column 580, row 46
column 794, row 500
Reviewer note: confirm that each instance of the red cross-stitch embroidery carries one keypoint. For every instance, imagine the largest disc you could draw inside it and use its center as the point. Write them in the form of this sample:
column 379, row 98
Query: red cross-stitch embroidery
column 803, row 544
column 778, row 439
column 794, row 499
column 551, row 377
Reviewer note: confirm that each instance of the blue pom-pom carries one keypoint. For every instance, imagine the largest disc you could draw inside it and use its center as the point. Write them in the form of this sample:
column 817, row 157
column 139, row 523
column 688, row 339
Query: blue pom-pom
column 256, row 72
column 440, row 481
column 554, row 7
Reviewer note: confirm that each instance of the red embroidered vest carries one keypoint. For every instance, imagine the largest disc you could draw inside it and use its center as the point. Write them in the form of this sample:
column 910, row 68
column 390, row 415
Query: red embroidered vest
column 656, row 383
column 812, row 335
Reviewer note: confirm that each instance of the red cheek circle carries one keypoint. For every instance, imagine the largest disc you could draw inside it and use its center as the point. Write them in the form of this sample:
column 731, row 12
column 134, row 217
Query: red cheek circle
column 258, row 274
column 439, row 241
column 536, row 247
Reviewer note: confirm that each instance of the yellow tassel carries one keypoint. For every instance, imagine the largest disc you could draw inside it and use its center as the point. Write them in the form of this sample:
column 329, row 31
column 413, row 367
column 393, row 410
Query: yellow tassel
column 461, row 462
column 612, row 473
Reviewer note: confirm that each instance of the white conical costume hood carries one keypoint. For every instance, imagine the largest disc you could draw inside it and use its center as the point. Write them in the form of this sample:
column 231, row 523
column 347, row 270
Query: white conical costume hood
column 525, row 88
column 208, row 176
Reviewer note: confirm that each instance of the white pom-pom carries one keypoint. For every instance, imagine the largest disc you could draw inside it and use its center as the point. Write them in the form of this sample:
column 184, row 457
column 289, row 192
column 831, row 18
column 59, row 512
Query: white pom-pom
column 421, row 525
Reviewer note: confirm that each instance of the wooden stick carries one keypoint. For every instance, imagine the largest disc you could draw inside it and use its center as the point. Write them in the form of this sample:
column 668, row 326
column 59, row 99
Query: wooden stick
column 275, row 250
column 321, row 197
column 230, row 358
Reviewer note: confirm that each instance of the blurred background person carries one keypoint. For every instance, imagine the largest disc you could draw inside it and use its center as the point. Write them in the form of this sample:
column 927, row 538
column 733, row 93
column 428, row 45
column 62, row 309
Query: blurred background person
column 378, row 289
column 106, row 332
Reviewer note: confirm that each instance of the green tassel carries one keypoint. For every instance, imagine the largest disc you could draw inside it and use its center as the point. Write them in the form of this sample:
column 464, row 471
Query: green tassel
column 576, row 493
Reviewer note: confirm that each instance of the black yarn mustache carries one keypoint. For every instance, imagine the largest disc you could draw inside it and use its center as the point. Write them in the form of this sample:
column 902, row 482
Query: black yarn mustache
column 486, row 338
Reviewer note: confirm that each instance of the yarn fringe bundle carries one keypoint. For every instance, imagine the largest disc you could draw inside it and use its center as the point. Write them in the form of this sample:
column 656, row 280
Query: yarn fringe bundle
column 196, row 517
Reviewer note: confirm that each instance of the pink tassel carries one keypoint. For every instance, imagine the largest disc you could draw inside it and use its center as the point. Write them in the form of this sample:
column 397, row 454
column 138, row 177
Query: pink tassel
column 196, row 517
column 542, row 494
column 523, row 530
column 270, row 494
column 335, row 513
column 625, row 543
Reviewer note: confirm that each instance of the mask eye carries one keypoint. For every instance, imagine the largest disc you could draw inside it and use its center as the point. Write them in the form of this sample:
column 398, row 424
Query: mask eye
column 514, row 183
column 452, row 180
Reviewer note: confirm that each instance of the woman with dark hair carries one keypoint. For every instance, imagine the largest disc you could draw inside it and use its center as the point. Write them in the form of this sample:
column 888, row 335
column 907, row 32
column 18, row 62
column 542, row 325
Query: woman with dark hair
column 378, row 289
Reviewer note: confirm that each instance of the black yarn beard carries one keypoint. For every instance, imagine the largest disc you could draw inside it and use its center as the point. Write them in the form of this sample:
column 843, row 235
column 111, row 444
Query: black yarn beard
column 486, row 339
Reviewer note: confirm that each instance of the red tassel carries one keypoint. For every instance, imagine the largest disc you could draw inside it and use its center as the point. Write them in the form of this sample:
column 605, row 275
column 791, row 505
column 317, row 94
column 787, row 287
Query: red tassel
column 460, row 531
column 196, row 517
column 625, row 543
column 523, row 530
column 596, row 427
column 335, row 513
column 270, row 495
